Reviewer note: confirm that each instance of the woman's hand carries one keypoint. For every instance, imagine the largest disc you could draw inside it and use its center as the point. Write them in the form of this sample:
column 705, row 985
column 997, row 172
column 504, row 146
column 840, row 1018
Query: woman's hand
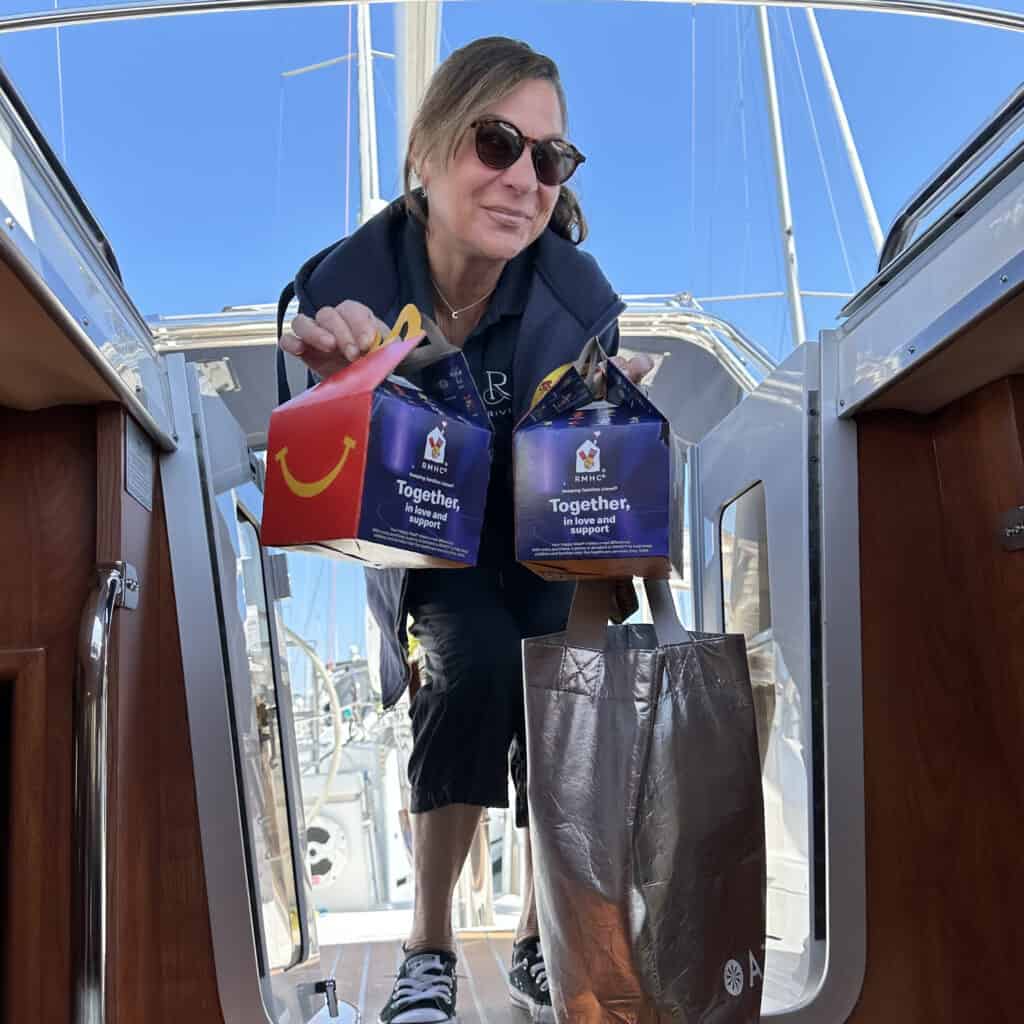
column 636, row 368
column 336, row 337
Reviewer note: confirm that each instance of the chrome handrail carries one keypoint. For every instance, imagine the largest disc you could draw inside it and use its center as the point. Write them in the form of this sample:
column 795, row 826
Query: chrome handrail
column 989, row 136
column 39, row 138
column 990, row 17
column 116, row 586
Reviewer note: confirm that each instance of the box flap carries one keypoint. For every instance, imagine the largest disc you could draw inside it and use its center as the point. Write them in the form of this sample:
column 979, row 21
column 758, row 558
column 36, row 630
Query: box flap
column 569, row 392
column 627, row 397
column 582, row 383
column 450, row 384
column 360, row 377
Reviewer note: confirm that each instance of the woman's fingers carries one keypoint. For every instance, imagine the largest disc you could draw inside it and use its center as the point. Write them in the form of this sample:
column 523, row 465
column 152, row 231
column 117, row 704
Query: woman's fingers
column 334, row 337
column 311, row 335
column 345, row 343
column 292, row 344
column 361, row 323
column 636, row 368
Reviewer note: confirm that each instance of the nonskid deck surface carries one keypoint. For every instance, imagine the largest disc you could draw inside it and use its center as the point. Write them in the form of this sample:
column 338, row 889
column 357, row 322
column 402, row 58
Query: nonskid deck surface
column 365, row 974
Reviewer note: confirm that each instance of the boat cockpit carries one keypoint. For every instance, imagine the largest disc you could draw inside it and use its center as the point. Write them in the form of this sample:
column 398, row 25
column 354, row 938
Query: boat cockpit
column 206, row 805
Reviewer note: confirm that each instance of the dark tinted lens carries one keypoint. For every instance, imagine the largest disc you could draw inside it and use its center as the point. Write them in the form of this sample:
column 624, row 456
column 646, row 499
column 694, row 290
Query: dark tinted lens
column 498, row 146
column 554, row 162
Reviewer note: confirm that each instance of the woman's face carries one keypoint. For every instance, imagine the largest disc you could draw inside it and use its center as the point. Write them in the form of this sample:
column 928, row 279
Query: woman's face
column 496, row 214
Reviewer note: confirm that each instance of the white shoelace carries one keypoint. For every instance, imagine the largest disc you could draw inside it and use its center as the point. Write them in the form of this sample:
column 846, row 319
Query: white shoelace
column 538, row 970
column 425, row 979
column 539, row 973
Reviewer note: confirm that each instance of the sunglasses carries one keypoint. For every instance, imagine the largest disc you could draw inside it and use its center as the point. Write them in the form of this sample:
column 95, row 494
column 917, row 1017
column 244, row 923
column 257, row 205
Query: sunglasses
column 500, row 144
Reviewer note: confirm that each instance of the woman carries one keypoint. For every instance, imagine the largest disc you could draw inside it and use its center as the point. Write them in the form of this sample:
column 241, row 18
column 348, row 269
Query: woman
column 488, row 247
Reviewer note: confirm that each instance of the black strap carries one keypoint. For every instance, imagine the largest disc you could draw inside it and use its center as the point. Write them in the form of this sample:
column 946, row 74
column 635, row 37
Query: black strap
column 284, row 393
column 667, row 627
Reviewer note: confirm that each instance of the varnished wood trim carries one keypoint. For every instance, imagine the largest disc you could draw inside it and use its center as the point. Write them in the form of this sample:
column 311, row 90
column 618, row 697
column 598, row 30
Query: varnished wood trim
column 24, row 930
column 110, row 547
column 160, row 923
column 109, row 483
column 943, row 684
column 48, row 524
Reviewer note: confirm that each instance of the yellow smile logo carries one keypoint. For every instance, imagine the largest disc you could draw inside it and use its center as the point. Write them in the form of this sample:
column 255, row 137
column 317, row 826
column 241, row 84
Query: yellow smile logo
column 312, row 489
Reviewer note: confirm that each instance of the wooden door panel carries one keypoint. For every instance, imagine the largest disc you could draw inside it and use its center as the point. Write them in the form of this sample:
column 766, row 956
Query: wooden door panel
column 160, row 945
column 47, row 552
column 943, row 683
column 28, row 846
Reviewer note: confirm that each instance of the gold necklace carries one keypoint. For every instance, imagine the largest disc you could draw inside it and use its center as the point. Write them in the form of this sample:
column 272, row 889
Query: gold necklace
column 452, row 311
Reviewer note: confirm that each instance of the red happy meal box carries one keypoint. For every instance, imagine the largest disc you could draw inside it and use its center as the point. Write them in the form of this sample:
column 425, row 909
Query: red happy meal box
column 370, row 466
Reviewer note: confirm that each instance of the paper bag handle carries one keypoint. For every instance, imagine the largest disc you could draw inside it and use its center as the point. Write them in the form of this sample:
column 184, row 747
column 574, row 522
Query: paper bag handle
column 591, row 610
column 409, row 319
column 436, row 347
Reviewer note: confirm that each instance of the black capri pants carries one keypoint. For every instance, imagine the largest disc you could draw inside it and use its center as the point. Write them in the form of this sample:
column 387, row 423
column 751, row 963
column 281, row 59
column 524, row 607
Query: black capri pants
column 468, row 721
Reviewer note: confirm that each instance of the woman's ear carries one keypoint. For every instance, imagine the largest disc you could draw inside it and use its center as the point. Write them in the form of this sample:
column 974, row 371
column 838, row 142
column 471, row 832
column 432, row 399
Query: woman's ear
column 423, row 173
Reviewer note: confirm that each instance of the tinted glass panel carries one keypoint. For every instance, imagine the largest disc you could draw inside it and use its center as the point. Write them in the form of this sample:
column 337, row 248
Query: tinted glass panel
column 783, row 724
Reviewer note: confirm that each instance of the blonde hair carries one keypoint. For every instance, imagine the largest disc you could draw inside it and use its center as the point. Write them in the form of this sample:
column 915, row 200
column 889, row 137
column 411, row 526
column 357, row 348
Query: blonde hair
column 467, row 84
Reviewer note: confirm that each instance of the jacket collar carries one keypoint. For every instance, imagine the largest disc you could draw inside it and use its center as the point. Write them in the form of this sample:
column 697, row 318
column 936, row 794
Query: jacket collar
column 367, row 264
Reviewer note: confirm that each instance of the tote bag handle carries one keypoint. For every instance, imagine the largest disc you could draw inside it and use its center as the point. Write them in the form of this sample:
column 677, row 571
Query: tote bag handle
column 592, row 606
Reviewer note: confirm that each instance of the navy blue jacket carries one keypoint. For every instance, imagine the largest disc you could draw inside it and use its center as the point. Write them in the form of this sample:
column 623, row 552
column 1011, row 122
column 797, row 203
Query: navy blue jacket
column 569, row 302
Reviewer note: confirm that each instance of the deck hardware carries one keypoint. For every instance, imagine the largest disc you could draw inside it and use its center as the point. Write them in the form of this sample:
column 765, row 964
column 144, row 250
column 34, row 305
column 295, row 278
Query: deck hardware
column 115, row 585
column 9, row 222
column 1004, row 279
column 329, row 990
column 1012, row 533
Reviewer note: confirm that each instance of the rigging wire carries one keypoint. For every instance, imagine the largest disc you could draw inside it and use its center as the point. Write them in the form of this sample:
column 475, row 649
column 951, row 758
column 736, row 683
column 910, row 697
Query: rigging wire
column 714, row 156
column 60, row 94
column 278, row 170
column 745, row 261
column 383, row 87
column 693, row 142
column 821, row 155
column 768, row 173
column 348, row 128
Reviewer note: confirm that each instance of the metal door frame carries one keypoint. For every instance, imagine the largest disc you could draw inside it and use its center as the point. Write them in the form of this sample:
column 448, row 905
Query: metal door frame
column 786, row 434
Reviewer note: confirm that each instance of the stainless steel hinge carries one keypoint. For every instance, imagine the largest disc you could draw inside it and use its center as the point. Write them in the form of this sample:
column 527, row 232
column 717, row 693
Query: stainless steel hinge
column 128, row 590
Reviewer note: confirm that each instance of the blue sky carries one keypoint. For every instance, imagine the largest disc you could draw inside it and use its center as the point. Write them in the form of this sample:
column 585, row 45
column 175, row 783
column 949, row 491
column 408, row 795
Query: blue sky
column 214, row 176
column 174, row 132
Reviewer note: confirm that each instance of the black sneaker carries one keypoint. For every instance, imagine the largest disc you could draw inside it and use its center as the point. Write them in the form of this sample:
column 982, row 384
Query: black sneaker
column 528, row 981
column 424, row 991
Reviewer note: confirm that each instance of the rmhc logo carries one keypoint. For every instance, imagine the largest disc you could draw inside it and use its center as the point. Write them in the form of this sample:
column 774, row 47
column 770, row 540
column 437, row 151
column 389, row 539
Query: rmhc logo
column 588, row 457
column 436, row 446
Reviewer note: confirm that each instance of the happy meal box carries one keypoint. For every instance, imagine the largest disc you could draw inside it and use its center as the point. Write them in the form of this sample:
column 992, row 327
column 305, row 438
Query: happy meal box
column 599, row 478
column 372, row 467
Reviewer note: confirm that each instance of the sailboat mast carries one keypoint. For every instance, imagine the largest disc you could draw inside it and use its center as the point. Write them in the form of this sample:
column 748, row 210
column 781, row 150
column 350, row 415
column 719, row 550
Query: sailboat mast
column 369, row 171
column 866, row 202
column 417, row 46
column 796, row 309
